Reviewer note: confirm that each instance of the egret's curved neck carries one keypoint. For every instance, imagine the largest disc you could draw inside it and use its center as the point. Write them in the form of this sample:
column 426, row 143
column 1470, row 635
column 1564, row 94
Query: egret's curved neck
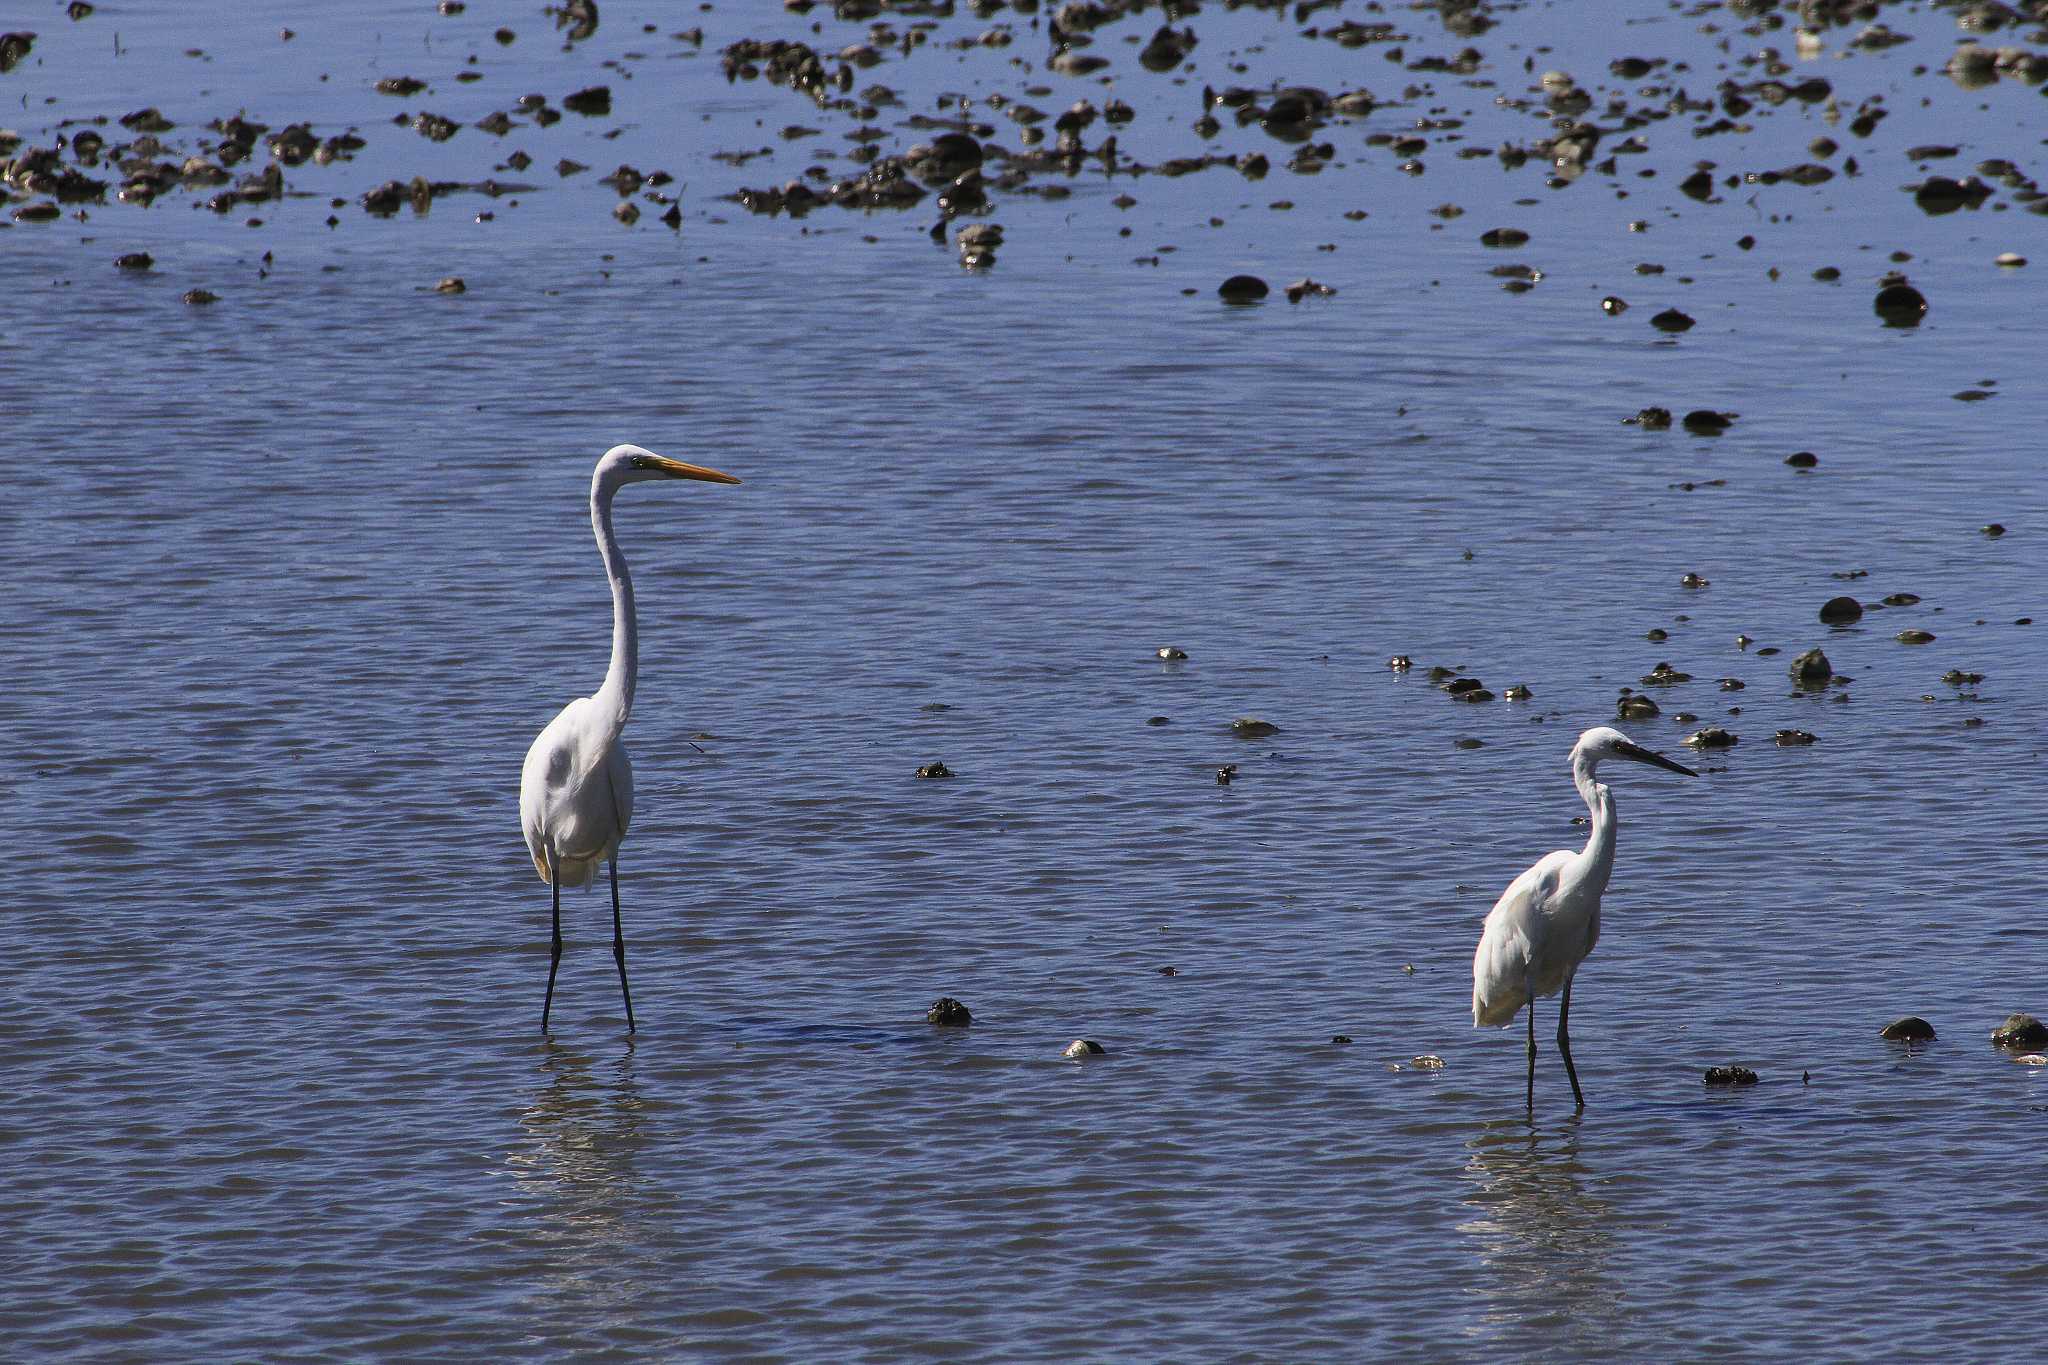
column 615, row 698
column 1599, row 850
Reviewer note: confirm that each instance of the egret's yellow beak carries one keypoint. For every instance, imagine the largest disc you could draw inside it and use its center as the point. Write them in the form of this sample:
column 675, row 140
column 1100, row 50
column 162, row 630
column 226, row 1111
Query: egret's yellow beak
column 677, row 469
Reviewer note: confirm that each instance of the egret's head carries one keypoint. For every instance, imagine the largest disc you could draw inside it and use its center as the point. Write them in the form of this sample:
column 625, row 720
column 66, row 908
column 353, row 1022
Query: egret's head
column 1604, row 741
column 631, row 464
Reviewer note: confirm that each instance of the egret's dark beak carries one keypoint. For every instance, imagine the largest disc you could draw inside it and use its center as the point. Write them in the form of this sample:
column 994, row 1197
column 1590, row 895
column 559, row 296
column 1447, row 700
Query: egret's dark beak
column 677, row 469
column 1655, row 760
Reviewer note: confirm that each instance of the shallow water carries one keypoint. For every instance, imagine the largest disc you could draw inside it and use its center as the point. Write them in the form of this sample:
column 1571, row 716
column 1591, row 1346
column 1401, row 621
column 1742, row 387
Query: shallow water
column 295, row 577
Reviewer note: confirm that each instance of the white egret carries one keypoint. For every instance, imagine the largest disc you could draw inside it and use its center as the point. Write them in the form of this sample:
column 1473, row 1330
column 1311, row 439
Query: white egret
column 1548, row 919
column 576, row 788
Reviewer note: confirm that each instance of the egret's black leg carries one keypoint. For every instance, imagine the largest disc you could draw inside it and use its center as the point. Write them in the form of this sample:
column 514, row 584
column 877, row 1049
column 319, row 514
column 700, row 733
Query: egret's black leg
column 619, row 945
column 1531, row 1100
column 555, row 956
column 1564, row 1042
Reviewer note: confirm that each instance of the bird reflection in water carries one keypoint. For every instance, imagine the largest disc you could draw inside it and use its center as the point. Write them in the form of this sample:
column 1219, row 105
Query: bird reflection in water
column 1545, row 1239
column 578, row 1177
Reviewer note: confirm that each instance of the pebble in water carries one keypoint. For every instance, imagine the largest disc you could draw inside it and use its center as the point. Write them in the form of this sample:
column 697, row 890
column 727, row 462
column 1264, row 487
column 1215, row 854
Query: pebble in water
column 1400, row 663
column 1787, row 739
column 947, row 1012
column 1802, row 459
column 1172, row 653
column 1900, row 305
column 1916, row 637
column 1671, row 320
column 1811, row 669
column 1251, row 727
column 934, row 769
column 1664, row 675
column 1730, row 1075
column 2021, row 1030
column 1635, row 706
column 1083, row 1047
column 1707, row 422
column 1225, row 774
column 1911, row 1029
column 1712, row 737
column 1650, row 419
column 1841, row 611
column 1243, row 289
column 1518, row 692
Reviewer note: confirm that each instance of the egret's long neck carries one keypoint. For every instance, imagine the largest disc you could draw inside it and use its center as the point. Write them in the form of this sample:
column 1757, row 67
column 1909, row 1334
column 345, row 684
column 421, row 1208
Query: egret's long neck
column 615, row 698
column 1599, row 851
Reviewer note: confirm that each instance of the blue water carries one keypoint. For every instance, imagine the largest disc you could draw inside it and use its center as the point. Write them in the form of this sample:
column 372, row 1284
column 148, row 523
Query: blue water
column 294, row 578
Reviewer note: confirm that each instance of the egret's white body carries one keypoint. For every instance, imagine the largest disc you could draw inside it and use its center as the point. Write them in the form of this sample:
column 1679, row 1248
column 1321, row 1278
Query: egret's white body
column 1548, row 919
column 576, row 787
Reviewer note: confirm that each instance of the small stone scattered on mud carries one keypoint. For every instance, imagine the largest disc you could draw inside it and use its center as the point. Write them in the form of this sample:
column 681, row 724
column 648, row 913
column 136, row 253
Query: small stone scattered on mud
column 1911, row 1029
column 947, row 1012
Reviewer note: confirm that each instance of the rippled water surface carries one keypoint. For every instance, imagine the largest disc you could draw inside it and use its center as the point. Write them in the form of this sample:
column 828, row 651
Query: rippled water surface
column 293, row 579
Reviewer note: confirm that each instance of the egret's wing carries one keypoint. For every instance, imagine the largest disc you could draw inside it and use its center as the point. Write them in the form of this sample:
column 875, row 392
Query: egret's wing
column 1513, row 943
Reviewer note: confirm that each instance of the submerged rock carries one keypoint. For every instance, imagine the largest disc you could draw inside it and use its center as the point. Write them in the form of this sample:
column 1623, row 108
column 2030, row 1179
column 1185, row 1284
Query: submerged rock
column 1811, row 669
column 1243, row 289
column 1083, row 1047
column 1730, row 1075
column 1840, row 611
column 1712, row 737
column 2021, row 1030
column 1788, row 739
column 1250, row 727
column 1911, row 1029
column 947, row 1012
column 934, row 769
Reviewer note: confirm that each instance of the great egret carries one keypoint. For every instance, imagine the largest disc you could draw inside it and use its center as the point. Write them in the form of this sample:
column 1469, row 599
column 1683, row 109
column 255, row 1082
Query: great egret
column 576, row 788
column 1548, row 919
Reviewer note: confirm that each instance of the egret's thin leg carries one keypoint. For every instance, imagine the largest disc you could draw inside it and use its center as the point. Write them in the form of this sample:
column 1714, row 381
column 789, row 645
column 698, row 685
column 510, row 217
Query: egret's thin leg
column 1531, row 1099
column 555, row 955
column 619, row 945
column 1564, row 1042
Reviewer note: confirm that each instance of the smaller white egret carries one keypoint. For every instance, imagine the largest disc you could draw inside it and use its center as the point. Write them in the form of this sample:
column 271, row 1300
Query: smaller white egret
column 576, row 787
column 1548, row 919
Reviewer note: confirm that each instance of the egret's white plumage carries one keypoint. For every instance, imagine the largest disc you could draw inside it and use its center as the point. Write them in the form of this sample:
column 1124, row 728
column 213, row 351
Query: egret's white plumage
column 576, row 787
column 1548, row 919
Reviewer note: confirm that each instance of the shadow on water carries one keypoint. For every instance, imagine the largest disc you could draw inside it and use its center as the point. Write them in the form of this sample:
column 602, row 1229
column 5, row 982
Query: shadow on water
column 1544, row 1239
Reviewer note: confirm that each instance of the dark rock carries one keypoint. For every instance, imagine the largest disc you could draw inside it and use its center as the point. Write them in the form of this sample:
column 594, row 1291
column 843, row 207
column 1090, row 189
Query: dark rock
column 1635, row 706
column 13, row 47
column 1811, row 669
column 1083, row 1047
column 1955, row 677
column 947, row 1012
column 1248, row 727
column 934, row 769
column 1730, row 1075
column 1707, row 422
column 2021, row 1031
column 1340, row 1040
column 134, row 260
column 1503, row 237
column 1400, row 663
column 1900, row 305
column 1802, row 459
column 592, row 100
column 1712, row 737
column 1671, row 320
column 1614, row 305
column 1994, row 530
column 1787, row 739
column 1225, row 773
column 1650, row 419
column 1243, row 289
column 1172, row 653
column 1518, row 692
column 1911, row 1029
column 1664, row 675
column 1915, row 637
column 1840, row 611
column 1693, row 580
